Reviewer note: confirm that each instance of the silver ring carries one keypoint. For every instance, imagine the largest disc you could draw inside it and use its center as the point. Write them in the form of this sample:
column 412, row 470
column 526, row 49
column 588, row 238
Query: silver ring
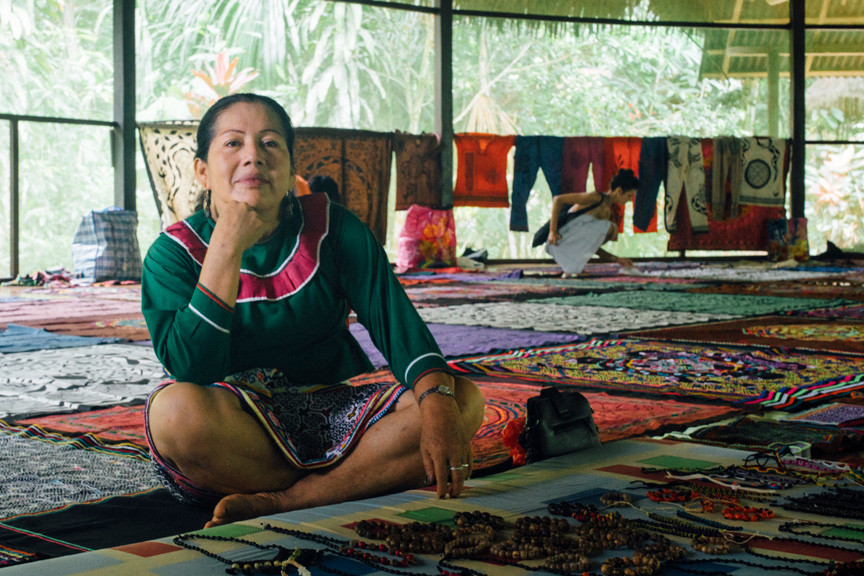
column 457, row 468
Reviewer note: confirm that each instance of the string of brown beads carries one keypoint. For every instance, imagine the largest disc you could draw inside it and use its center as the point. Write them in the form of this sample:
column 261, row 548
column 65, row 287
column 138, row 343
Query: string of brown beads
column 467, row 546
column 615, row 499
column 624, row 566
column 662, row 548
column 567, row 562
column 713, row 545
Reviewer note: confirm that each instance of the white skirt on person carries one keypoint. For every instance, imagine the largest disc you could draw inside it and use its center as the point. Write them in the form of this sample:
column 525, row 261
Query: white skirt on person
column 580, row 240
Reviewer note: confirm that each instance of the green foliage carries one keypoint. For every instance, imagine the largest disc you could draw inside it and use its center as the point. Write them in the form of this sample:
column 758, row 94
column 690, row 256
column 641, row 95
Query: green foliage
column 341, row 65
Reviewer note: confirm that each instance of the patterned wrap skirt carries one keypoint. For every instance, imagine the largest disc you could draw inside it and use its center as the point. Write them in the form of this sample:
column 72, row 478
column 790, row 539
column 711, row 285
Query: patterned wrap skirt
column 313, row 426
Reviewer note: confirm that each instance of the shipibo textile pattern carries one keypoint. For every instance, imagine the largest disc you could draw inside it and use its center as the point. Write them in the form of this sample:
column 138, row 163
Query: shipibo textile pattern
column 808, row 333
column 169, row 153
column 541, row 315
column 737, row 305
column 831, row 287
column 36, row 475
column 851, row 311
column 770, row 377
column 70, row 379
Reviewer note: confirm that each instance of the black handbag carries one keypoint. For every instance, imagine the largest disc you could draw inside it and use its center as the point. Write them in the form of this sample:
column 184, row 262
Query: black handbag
column 559, row 421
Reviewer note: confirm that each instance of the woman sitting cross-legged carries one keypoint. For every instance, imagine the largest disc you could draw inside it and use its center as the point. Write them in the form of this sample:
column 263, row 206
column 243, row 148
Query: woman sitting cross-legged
column 246, row 302
column 589, row 222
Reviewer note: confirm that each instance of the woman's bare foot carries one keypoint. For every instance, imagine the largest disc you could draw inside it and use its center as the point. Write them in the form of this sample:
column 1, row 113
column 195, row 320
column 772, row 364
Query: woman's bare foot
column 236, row 507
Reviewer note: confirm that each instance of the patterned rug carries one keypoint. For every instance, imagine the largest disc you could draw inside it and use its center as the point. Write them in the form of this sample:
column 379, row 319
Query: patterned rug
column 541, row 315
column 828, row 335
column 36, row 311
column 116, row 424
column 52, row 472
column 728, row 304
column 467, row 292
column 766, row 433
column 760, row 377
column 851, row 311
column 726, row 273
column 128, row 292
column 456, row 341
column 126, row 326
column 830, row 287
column 843, row 415
column 15, row 338
column 71, row 379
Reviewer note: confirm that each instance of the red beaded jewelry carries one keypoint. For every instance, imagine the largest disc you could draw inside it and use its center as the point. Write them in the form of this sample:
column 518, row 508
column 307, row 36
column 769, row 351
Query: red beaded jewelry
column 746, row 513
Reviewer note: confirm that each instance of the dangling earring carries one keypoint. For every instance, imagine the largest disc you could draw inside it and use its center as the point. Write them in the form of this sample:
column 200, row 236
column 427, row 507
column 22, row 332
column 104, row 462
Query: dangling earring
column 206, row 206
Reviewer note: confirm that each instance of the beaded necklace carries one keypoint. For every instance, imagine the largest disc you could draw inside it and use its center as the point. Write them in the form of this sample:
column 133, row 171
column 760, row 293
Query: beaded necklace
column 355, row 549
column 278, row 564
column 837, row 502
column 799, row 528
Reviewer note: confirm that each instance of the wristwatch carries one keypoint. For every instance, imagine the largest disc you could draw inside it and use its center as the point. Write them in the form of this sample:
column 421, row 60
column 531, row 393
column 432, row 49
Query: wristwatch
column 440, row 389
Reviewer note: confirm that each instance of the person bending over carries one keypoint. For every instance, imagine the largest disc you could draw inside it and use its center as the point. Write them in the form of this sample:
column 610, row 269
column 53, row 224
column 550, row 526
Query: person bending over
column 572, row 239
column 246, row 302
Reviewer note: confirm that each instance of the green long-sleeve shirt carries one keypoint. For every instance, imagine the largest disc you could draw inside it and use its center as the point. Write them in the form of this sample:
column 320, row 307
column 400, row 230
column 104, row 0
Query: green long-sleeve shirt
column 295, row 293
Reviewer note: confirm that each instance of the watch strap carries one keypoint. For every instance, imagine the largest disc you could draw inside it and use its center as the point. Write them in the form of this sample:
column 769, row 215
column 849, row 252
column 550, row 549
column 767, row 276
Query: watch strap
column 440, row 389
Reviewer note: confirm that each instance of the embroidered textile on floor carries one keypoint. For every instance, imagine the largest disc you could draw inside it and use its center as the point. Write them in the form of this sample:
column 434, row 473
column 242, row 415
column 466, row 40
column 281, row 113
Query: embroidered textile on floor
column 65, row 380
column 541, row 315
column 37, row 476
column 713, row 372
column 733, row 305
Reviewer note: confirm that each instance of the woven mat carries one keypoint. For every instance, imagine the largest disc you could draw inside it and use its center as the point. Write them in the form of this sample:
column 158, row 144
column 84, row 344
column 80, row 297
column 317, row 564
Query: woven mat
column 584, row 320
column 467, row 292
column 810, row 333
column 15, row 338
column 36, row 311
column 42, row 471
column 583, row 476
column 759, row 377
column 126, row 326
column 852, row 311
column 830, row 287
column 766, row 433
column 456, row 341
column 728, row 304
column 73, row 379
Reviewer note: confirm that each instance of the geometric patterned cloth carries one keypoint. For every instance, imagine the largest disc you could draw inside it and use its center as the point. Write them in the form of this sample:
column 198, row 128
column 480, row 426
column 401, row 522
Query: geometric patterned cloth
column 542, row 315
column 710, row 372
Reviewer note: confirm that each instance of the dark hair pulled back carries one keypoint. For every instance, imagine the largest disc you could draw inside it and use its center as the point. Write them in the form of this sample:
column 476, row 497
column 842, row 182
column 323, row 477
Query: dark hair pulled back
column 208, row 122
column 625, row 179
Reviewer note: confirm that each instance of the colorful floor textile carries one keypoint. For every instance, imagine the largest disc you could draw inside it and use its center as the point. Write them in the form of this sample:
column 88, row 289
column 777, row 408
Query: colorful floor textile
column 16, row 338
column 70, row 379
column 580, row 478
column 124, row 326
column 116, row 424
column 728, row 272
column 113, row 521
column 466, row 292
column 724, row 304
column 753, row 431
column 840, row 414
column 852, row 311
column 128, row 292
column 584, row 320
column 47, row 473
column 830, row 287
column 456, row 341
column 41, row 310
column 758, row 377
column 831, row 335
